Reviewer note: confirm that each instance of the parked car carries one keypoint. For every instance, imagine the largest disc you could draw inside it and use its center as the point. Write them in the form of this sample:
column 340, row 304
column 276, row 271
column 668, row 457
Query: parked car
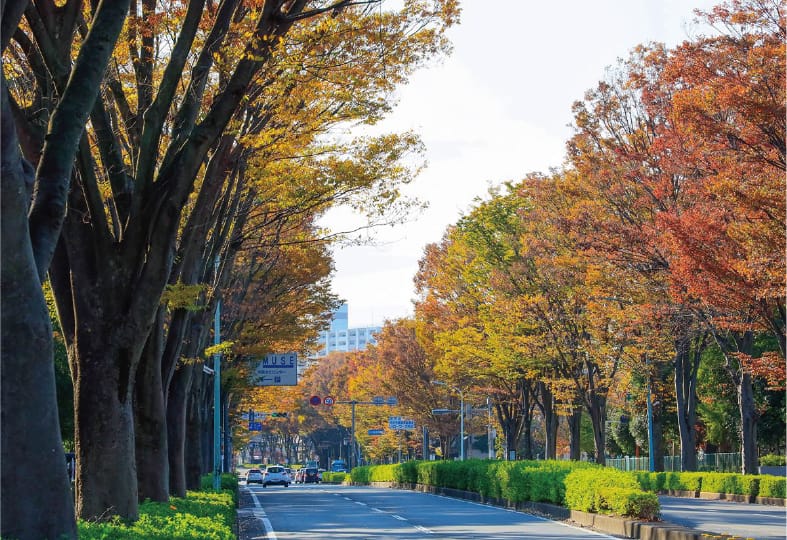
column 310, row 475
column 254, row 476
column 275, row 474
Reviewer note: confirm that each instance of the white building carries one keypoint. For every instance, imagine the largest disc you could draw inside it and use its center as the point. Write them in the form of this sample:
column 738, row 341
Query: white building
column 342, row 338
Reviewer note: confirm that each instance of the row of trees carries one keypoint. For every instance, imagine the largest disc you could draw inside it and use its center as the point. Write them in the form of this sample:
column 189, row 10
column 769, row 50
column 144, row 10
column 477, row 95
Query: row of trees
column 156, row 154
column 651, row 263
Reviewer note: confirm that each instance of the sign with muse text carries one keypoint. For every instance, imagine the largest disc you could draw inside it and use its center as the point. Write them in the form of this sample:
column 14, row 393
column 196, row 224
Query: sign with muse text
column 278, row 369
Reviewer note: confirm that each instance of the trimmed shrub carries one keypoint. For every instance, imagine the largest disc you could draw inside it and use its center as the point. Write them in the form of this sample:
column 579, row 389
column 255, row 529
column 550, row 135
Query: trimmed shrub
column 734, row 483
column 334, row 477
column 772, row 486
column 627, row 502
column 583, row 487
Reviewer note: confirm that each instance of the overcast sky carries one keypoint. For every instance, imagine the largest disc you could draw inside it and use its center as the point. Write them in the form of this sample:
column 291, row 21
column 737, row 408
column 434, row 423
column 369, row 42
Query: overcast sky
column 497, row 108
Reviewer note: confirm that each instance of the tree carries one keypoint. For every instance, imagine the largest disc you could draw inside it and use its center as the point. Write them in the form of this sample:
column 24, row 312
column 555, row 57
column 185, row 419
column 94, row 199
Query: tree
column 126, row 209
column 28, row 243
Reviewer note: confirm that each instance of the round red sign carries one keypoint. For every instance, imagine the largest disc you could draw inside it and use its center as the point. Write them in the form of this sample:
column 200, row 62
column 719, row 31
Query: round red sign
column 315, row 400
column 329, row 400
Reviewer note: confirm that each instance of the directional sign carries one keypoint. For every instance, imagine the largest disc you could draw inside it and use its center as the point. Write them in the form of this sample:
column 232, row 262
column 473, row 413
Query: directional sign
column 276, row 370
column 255, row 426
column 376, row 431
column 378, row 400
column 315, row 400
column 328, row 400
column 399, row 423
column 391, row 401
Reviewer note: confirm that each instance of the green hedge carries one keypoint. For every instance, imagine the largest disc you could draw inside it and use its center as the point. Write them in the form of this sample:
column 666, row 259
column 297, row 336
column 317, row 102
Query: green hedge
column 201, row 515
column 514, row 481
column 600, row 490
column 229, row 483
column 334, row 477
column 772, row 486
column 712, row 482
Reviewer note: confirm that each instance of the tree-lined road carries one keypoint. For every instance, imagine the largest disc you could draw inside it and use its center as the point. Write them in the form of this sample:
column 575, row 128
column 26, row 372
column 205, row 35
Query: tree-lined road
column 353, row 512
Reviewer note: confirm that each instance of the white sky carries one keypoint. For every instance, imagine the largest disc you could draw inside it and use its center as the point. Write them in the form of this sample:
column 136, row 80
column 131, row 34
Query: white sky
column 497, row 108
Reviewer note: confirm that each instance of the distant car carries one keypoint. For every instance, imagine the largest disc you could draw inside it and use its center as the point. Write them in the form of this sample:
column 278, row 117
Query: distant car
column 275, row 475
column 310, row 475
column 254, row 476
column 298, row 478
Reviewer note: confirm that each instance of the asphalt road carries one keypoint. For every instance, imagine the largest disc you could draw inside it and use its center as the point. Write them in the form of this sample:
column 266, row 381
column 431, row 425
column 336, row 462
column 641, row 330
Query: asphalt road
column 758, row 521
column 355, row 513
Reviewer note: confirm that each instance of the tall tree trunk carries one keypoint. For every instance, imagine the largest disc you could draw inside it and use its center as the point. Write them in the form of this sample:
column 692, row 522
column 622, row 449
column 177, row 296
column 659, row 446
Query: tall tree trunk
column 748, row 412
column 574, row 431
column 35, row 493
column 546, row 405
column 195, row 439
column 686, row 365
column 177, row 428
column 597, row 409
column 106, row 475
column 150, row 420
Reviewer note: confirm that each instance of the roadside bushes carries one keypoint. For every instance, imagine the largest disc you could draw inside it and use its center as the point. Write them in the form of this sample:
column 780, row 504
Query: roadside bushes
column 334, row 477
column 608, row 491
column 520, row 481
column 204, row 515
column 772, row 486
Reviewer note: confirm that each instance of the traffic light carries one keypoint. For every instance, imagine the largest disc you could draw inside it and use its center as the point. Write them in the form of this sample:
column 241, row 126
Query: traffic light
column 278, row 415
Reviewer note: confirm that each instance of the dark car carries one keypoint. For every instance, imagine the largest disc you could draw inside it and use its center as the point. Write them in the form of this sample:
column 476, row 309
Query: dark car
column 311, row 475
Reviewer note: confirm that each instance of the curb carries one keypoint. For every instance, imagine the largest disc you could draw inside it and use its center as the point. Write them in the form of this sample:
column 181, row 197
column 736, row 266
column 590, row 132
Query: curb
column 627, row 528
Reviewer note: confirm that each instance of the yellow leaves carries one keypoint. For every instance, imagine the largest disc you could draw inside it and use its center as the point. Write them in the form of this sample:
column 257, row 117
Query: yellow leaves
column 182, row 296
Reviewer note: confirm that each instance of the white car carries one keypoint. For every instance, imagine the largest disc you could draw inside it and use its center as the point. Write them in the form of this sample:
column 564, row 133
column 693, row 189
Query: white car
column 275, row 475
column 253, row 476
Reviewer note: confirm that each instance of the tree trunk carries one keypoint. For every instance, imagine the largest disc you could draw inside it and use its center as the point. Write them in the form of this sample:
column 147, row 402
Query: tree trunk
column 150, row 420
column 598, row 415
column 177, row 420
column 748, row 429
column 106, row 475
column 574, row 430
column 686, row 365
column 35, row 493
column 551, row 419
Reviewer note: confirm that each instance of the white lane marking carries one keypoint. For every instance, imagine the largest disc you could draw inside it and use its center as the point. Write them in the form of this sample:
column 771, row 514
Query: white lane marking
column 423, row 529
column 259, row 511
column 347, row 498
column 400, row 518
column 361, row 503
column 378, row 510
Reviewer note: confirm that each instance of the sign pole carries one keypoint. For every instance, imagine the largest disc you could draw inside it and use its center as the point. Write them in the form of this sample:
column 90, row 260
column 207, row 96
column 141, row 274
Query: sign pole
column 353, row 458
column 217, row 387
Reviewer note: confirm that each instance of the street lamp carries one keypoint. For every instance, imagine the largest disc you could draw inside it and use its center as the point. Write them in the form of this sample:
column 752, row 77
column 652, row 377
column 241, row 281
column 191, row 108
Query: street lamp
column 461, row 417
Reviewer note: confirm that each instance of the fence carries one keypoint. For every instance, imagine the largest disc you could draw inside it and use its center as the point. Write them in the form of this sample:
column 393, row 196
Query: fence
column 705, row 462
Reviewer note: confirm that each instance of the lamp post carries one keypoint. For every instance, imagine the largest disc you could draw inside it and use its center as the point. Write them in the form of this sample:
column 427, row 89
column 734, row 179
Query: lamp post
column 461, row 417
column 217, row 388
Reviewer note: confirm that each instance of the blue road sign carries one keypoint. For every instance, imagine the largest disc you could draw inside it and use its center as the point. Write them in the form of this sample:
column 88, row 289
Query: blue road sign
column 376, row 432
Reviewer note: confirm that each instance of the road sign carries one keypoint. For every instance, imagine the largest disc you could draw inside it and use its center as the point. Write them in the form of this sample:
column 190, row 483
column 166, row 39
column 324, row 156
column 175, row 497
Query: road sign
column 378, row 400
column 276, row 370
column 391, row 401
column 329, row 400
column 376, row 431
column 315, row 400
column 399, row 423
column 255, row 426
